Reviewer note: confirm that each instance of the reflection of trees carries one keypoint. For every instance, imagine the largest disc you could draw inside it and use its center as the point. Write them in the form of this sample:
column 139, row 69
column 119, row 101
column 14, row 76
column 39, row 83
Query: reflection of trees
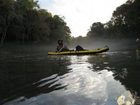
column 99, row 61
column 131, row 77
column 124, row 66
column 138, row 54
column 19, row 75
column 131, row 81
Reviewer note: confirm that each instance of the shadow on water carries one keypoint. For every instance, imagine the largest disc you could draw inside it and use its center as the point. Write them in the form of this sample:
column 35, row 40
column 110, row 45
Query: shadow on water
column 23, row 72
column 37, row 79
column 125, row 67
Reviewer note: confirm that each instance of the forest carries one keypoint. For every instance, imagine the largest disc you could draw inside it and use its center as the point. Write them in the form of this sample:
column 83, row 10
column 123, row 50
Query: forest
column 23, row 21
column 124, row 23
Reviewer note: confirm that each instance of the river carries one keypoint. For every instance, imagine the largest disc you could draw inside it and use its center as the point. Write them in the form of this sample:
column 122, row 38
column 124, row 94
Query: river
column 28, row 76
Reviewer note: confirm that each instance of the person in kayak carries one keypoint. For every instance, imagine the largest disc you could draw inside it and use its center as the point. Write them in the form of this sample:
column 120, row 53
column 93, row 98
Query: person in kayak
column 79, row 48
column 61, row 47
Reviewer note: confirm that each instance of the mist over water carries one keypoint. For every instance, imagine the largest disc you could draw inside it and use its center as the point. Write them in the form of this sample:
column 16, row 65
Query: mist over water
column 28, row 76
column 116, row 44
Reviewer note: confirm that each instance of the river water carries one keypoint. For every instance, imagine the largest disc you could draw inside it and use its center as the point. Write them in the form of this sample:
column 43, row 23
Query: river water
column 31, row 77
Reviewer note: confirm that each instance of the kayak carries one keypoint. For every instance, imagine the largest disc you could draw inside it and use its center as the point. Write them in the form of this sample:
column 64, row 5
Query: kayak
column 83, row 52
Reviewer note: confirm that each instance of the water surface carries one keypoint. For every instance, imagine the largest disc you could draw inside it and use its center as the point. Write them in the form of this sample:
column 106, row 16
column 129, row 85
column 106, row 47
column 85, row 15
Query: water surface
column 30, row 77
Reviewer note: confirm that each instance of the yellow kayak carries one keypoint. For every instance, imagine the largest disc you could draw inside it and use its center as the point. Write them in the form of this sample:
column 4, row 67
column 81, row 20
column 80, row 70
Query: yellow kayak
column 83, row 52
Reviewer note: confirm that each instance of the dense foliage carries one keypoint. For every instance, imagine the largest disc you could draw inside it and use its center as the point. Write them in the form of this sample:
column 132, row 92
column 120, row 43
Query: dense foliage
column 125, row 23
column 23, row 21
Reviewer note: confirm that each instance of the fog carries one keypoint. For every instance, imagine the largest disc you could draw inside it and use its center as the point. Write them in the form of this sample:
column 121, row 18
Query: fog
column 31, row 61
column 118, row 44
column 114, row 45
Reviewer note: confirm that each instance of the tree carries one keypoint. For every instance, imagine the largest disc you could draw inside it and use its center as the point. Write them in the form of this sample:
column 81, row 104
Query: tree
column 128, row 16
column 96, row 30
column 27, row 10
column 24, row 21
column 59, row 29
column 125, row 22
column 6, row 16
column 42, row 30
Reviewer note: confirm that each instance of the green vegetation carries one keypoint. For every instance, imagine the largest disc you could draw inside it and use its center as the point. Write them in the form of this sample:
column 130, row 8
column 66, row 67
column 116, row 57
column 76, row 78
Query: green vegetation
column 23, row 21
column 125, row 23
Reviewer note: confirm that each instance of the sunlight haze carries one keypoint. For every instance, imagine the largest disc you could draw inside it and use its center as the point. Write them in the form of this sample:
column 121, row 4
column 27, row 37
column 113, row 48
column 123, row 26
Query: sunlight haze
column 81, row 14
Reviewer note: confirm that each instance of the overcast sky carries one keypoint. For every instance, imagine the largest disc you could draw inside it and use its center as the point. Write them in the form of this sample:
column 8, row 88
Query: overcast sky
column 80, row 14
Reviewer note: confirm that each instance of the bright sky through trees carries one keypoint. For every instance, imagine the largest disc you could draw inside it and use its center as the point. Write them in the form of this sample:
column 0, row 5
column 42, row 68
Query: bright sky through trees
column 80, row 14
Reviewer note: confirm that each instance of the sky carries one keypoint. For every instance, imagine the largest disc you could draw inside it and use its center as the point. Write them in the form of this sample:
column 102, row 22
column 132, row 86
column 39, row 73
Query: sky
column 81, row 14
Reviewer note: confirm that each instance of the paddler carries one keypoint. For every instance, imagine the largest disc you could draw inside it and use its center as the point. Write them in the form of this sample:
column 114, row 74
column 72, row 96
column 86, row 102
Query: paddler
column 61, row 47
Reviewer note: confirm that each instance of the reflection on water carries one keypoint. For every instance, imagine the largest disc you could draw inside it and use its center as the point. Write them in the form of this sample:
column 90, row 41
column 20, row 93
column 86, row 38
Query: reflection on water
column 77, row 80
column 137, row 54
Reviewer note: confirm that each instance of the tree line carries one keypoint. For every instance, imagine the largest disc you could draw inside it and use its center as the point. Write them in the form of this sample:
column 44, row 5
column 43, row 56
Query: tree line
column 24, row 21
column 125, row 23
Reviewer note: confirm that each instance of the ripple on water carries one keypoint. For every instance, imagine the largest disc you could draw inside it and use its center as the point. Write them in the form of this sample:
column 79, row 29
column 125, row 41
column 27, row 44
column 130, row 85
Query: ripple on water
column 83, row 85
